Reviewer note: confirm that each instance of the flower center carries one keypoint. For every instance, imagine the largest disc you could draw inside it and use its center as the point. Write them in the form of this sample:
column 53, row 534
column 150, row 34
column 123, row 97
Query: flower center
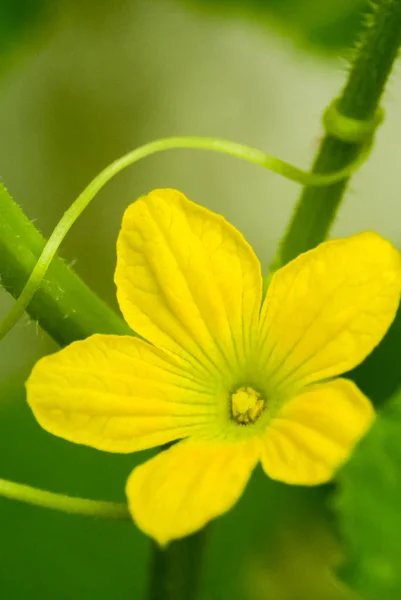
column 246, row 405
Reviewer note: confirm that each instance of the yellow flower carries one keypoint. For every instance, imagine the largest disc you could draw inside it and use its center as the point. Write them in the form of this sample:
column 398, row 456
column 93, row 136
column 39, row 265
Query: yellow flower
column 238, row 379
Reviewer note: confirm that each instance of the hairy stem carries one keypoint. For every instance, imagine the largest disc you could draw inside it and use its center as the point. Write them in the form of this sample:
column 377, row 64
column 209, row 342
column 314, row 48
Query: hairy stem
column 63, row 305
column 372, row 65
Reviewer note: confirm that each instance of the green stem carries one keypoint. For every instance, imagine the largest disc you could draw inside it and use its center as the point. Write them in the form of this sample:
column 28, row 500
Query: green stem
column 64, row 306
column 176, row 571
column 360, row 99
column 60, row 502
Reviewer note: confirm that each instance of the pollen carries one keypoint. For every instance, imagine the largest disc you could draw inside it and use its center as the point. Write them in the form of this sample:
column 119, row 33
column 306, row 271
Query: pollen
column 246, row 405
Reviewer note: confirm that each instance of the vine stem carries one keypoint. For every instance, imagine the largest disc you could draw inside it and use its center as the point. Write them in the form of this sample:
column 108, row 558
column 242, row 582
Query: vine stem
column 246, row 153
column 60, row 502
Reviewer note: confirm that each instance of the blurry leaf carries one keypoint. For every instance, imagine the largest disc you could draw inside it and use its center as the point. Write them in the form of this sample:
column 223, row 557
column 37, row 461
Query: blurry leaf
column 331, row 25
column 379, row 376
column 368, row 506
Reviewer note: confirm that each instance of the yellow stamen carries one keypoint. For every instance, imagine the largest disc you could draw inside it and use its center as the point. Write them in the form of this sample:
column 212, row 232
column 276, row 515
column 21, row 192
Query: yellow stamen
column 246, row 405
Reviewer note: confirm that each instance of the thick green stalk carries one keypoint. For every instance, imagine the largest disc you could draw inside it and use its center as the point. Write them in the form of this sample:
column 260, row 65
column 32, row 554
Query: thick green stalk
column 176, row 571
column 63, row 306
column 374, row 58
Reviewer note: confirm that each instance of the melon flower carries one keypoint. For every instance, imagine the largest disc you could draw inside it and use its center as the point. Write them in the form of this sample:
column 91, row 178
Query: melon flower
column 237, row 379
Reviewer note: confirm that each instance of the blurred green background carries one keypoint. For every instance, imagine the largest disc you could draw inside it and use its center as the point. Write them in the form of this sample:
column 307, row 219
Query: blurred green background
column 84, row 81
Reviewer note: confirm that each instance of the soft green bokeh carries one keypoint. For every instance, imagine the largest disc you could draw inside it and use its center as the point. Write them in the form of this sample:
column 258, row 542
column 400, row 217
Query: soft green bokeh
column 17, row 19
column 326, row 26
column 91, row 82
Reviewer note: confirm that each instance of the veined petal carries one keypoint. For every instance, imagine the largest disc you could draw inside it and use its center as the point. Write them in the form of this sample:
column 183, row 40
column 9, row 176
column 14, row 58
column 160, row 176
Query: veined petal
column 187, row 280
column 314, row 433
column 117, row 394
column 326, row 310
column 181, row 489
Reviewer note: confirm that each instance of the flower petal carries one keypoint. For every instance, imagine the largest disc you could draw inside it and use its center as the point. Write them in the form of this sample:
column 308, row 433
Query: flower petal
column 326, row 310
column 314, row 433
column 181, row 489
column 187, row 281
column 117, row 394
